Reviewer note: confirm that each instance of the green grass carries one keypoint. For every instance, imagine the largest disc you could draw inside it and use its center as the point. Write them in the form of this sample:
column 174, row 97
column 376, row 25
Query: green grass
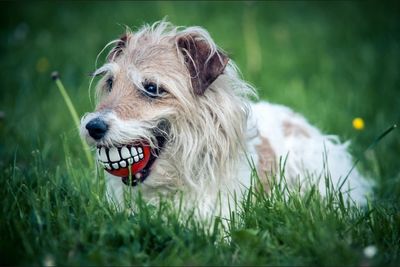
column 330, row 61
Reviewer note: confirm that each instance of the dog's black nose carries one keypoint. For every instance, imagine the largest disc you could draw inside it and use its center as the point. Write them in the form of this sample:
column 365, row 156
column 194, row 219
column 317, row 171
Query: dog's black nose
column 97, row 128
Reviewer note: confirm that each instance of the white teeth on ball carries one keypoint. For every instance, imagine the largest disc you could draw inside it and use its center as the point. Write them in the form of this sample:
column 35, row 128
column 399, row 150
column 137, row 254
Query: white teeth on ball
column 114, row 159
column 125, row 153
column 113, row 154
column 103, row 155
column 133, row 151
column 115, row 166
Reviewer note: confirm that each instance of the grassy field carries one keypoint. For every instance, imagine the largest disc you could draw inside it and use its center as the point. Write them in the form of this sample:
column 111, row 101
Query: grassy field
column 331, row 61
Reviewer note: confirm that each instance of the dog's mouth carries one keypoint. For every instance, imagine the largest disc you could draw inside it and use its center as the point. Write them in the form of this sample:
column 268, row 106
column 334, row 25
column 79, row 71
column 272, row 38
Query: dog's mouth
column 131, row 162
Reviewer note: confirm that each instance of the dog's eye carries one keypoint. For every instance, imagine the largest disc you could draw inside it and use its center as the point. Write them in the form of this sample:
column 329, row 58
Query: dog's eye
column 152, row 90
column 109, row 83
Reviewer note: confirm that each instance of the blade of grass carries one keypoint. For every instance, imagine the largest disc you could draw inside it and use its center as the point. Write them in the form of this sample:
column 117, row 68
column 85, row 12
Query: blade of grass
column 371, row 146
column 74, row 114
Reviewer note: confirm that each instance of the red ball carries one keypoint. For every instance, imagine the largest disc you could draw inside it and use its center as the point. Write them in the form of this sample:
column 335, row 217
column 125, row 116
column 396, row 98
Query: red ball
column 135, row 167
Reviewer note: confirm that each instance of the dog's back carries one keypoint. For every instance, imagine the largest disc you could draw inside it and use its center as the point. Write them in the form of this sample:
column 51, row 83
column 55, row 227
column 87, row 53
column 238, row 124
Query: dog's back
column 309, row 157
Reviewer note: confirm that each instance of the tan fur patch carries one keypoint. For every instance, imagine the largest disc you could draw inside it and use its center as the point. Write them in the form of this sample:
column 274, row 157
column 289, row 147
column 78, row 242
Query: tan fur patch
column 290, row 128
column 150, row 61
column 124, row 100
column 266, row 161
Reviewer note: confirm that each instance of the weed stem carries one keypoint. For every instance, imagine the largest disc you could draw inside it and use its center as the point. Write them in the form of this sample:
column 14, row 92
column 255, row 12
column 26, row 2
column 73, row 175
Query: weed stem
column 73, row 113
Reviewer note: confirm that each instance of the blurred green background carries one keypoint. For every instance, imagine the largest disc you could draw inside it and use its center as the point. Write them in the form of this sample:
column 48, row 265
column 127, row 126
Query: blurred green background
column 331, row 61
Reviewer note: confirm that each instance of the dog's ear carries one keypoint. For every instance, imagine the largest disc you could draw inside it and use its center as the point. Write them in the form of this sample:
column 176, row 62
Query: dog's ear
column 118, row 48
column 204, row 63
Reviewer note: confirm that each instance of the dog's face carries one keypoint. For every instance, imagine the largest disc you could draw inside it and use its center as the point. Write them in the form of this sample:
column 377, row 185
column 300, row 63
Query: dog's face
column 149, row 83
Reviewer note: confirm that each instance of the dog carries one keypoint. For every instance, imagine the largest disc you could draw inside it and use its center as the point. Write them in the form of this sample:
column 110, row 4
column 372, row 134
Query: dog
column 173, row 115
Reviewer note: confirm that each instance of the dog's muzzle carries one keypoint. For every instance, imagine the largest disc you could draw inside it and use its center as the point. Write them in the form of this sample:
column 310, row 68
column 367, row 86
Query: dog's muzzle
column 132, row 162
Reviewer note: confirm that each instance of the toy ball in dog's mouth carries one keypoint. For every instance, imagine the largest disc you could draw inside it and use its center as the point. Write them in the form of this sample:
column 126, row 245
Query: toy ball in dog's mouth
column 125, row 160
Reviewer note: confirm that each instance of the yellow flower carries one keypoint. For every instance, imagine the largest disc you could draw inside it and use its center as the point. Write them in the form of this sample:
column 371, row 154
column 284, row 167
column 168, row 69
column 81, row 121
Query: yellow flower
column 358, row 123
column 42, row 65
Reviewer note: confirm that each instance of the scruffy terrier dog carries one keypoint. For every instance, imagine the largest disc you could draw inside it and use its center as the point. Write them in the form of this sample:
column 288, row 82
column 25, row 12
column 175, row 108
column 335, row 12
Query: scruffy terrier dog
column 173, row 115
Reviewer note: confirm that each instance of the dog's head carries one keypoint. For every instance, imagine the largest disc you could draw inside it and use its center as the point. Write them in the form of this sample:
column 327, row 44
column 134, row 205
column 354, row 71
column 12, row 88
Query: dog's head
column 151, row 90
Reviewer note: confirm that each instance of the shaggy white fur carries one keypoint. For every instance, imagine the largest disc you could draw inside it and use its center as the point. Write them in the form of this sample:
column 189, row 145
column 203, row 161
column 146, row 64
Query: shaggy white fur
column 213, row 134
column 310, row 154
